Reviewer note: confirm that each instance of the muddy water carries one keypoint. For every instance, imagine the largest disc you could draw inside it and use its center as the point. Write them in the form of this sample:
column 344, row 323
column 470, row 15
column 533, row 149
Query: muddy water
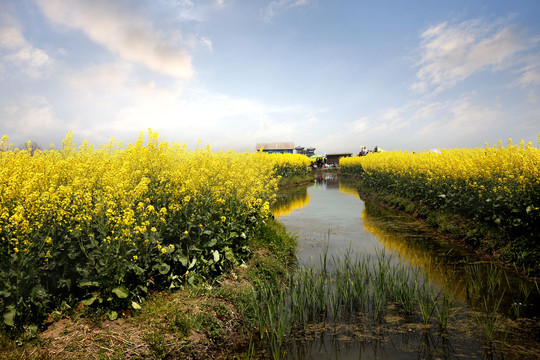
column 330, row 214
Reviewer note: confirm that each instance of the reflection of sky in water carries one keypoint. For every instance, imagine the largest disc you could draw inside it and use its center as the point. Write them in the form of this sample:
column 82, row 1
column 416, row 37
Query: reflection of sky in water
column 332, row 215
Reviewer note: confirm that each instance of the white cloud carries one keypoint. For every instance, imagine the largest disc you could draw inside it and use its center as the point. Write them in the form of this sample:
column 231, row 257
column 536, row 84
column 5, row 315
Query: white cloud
column 17, row 51
column 454, row 119
column 177, row 113
column 530, row 74
column 280, row 6
column 185, row 3
column 220, row 3
column 29, row 118
column 11, row 37
column 110, row 76
column 115, row 25
column 311, row 118
column 361, row 125
column 439, row 123
column 208, row 43
column 452, row 53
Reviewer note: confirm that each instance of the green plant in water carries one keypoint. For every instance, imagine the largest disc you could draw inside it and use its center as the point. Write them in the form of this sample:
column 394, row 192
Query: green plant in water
column 407, row 295
column 474, row 281
column 491, row 320
column 488, row 289
column 519, row 300
column 427, row 299
column 378, row 299
column 444, row 308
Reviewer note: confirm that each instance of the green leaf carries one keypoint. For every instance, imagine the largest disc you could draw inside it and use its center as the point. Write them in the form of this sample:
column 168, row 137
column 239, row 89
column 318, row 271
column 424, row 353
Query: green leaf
column 211, row 243
column 122, row 292
column 64, row 283
column 64, row 306
column 136, row 269
column 164, row 268
column 9, row 315
column 84, row 283
column 192, row 264
column 194, row 248
column 183, row 260
column 216, row 255
column 38, row 291
column 89, row 301
column 30, row 331
column 135, row 305
column 113, row 315
column 229, row 255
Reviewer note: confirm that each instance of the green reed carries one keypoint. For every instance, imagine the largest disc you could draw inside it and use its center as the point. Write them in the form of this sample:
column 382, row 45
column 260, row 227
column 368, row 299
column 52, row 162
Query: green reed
column 339, row 288
column 519, row 299
column 444, row 308
column 484, row 287
column 407, row 292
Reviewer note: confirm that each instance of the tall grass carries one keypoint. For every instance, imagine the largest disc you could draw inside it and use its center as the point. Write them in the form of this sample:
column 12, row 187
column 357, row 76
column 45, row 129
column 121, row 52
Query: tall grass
column 340, row 289
column 337, row 289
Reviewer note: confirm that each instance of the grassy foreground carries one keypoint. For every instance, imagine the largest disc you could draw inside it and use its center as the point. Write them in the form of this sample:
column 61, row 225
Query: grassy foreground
column 210, row 320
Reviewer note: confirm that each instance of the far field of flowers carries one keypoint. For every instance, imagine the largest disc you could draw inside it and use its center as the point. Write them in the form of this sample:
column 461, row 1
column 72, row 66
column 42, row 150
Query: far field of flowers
column 498, row 186
column 106, row 225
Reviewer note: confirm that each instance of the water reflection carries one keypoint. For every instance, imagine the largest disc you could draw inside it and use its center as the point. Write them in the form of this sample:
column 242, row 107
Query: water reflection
column 413, row 243
column 331, row 210
column 290, row 200
column 325, row 214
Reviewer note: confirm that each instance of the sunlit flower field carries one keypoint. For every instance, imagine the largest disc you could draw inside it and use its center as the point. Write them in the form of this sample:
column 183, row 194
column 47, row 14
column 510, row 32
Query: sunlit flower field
column 105, row 225
column 498, row 186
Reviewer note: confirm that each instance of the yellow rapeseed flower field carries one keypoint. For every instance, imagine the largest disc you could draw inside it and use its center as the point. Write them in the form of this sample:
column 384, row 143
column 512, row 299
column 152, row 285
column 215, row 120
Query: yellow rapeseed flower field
column 498, row 186
column 85, row 223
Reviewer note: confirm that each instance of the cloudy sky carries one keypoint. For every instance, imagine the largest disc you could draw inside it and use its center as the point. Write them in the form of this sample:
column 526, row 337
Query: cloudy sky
column 334, row 75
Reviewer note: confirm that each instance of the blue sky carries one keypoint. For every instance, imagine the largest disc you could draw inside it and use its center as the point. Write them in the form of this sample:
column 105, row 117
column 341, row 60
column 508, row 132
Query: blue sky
column 334, row 75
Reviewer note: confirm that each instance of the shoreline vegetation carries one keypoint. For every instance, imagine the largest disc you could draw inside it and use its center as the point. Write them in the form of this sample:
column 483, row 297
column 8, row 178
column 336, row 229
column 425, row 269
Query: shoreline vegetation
column 484, row 199
column 460, row 231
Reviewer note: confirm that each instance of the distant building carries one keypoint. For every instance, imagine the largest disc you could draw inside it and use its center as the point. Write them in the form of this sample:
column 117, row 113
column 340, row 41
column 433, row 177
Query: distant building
column 276, row 147
column 334, row 158
column 302, row 150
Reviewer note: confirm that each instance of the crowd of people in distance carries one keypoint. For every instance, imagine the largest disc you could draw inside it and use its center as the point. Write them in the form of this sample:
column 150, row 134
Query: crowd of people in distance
column 364, row 151
column 319, row 163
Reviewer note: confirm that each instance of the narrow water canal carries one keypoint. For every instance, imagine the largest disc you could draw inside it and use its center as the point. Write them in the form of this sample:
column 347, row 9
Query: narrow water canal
column 328, row 217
